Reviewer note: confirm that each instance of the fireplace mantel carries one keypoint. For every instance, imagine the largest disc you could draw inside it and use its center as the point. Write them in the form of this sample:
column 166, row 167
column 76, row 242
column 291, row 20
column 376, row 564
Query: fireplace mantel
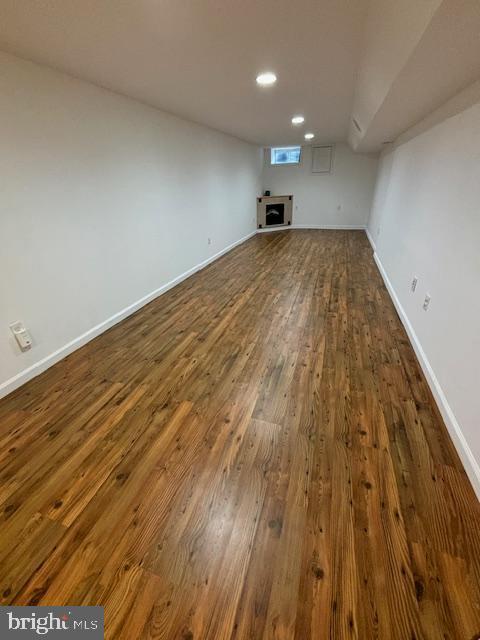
column 274, row 211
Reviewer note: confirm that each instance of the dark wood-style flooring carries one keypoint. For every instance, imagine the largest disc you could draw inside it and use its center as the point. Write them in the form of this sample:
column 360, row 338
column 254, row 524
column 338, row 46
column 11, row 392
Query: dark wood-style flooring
column 255, row 454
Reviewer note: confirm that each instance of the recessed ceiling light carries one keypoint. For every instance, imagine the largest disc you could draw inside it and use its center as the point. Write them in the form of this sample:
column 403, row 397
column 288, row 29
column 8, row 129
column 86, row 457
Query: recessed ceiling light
column 298, row 119
column 309, row 136
column 266, row 79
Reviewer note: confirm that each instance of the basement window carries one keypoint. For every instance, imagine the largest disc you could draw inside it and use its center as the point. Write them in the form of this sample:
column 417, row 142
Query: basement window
column 285, row 155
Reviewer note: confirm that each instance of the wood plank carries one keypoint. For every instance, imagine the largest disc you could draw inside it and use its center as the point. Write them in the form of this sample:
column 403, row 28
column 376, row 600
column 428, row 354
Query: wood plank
column 255, row 454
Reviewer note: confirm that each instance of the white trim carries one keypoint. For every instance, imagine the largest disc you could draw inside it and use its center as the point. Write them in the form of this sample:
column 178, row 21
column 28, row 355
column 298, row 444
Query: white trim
column 347, row 227
column 468, row 459
column 370, row 239
column 339, row 227
column 35, row 369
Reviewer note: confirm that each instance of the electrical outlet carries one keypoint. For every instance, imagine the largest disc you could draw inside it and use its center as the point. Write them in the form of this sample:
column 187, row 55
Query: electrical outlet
column 209, row 240
column 414, row 283
column 22, row 336
column 426, row 302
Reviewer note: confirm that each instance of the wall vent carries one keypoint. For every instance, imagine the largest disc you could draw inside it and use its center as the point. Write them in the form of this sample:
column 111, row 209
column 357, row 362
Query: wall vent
column 357, row 126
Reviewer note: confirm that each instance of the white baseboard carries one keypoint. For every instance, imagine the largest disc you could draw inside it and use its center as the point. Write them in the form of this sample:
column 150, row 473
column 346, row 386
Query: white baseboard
column 34, row 370
column 370, row 239
column 346, row 227
column 468, row 459
column 339, row 227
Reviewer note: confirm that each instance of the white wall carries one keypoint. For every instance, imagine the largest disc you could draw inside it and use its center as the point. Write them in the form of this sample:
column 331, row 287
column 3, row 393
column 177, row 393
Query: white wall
column 342, row 198
column 103, row 201
column 426, row 222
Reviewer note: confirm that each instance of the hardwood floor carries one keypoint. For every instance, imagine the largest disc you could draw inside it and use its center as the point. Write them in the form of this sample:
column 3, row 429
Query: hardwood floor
column 255, row 454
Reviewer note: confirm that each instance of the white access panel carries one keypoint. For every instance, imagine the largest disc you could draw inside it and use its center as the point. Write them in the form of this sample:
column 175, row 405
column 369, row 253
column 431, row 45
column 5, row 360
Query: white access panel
column 322, row 158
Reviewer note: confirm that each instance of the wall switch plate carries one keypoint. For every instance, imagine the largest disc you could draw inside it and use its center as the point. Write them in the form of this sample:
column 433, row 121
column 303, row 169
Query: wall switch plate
column 22, row 335
column 209, row 240
column 426, row 302
column 414, row 283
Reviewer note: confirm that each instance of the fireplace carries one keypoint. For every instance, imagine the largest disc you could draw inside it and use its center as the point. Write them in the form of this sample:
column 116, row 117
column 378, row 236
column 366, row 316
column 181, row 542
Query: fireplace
column 274, row 211
column 274, row 214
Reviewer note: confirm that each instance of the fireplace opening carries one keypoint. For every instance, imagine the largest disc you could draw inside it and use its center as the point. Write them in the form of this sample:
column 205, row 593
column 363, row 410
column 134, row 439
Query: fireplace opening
column 274, row 214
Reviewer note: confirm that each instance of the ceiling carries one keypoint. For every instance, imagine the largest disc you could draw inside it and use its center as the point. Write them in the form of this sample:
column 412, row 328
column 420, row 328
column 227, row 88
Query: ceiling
column 199, row 58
